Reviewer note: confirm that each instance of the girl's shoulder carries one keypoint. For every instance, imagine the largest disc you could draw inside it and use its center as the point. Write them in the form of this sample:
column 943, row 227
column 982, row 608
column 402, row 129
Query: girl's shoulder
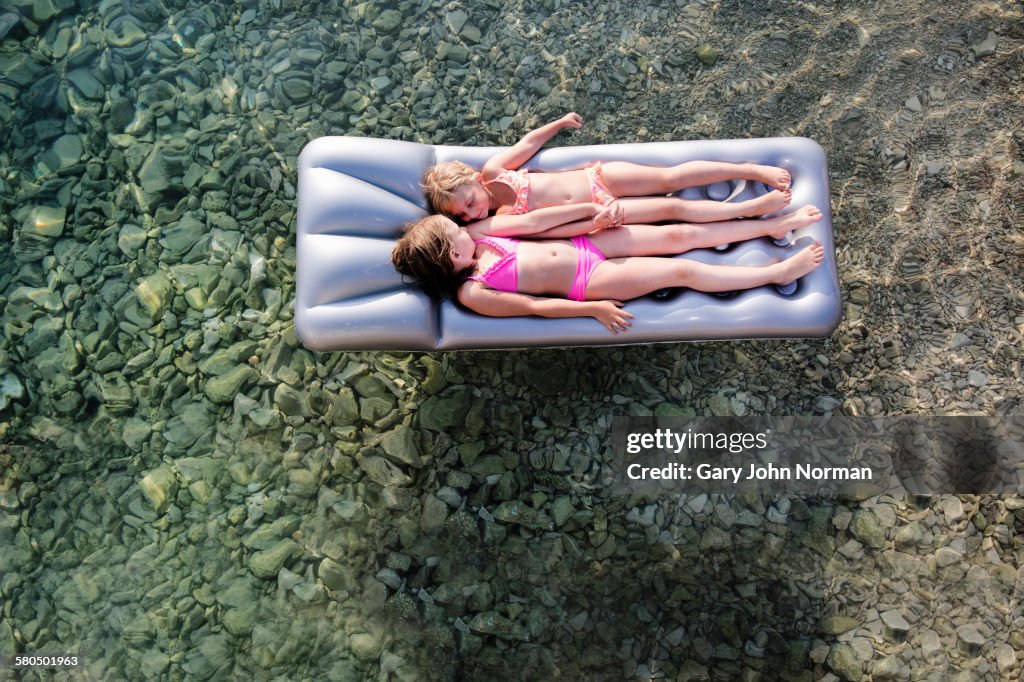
column 465, row 291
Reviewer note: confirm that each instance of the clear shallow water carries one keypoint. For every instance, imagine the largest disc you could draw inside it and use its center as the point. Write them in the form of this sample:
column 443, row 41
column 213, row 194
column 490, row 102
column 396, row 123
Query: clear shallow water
column 187, row 493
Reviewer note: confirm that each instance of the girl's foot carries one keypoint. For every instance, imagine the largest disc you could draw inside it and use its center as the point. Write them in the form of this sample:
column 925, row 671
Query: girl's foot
column 799, row 265
column 768, row 203
column 772, row 176
column 802, row 217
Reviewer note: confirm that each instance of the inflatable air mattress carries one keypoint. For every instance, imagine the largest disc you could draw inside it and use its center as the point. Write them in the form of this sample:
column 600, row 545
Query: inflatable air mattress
column 356, row 194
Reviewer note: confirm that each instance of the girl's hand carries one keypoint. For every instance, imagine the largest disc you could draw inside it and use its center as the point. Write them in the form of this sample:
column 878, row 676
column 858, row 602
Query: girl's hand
column 611, row 215
column 571, row 120
column 608, row 314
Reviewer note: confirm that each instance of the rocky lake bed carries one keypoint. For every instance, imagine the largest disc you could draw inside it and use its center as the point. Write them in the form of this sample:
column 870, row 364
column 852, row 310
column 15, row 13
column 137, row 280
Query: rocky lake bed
column 188, row 493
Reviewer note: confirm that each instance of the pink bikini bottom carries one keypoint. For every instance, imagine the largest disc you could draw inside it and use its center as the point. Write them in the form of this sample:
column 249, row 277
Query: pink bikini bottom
column 588, row 259
column 599, row 193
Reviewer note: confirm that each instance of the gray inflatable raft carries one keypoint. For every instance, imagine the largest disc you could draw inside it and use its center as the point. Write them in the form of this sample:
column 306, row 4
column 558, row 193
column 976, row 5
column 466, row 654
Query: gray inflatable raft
column 356, row 194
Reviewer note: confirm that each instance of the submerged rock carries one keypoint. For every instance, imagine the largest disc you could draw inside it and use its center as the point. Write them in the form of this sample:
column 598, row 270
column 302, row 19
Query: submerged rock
column 154, row 294
column 160, row 486
column 493, row 623
column 266, row 563
column 10, row 389
column 223, row 389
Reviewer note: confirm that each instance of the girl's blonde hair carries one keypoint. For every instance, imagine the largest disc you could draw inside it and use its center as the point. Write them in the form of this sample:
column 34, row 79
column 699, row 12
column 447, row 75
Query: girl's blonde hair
column 424, row 253
column 441, row 181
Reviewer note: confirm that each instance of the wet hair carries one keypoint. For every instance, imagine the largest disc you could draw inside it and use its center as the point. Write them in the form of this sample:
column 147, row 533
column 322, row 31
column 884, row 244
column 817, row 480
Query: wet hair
column 441, row 181
column 424, row 253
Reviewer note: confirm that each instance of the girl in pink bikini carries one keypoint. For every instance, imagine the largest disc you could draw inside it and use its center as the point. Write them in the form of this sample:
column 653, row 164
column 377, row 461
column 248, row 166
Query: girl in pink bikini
column 501, row 189
column 593, row 272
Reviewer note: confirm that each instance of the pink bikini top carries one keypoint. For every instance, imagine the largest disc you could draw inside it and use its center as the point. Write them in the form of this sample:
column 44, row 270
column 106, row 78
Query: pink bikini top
column 519, row 183
column 503, row 274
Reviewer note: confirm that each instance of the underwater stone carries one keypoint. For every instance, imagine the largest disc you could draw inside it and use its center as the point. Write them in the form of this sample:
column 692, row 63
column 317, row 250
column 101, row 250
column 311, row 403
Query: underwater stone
column 45, row 221
column 493, row 623
column 332, row 575
column 87, row 84
column 292, row 402
column 196, row 299
column 183, row 235
column 434, row 381
column 10, row 389
column 369, row 386
column 43, row 10
column 364, row 646
column 8, row 20
column 309, row 55
column 24, row 302
column 265, row 417
column 223, row 360
column 297, row 90
column 135, row 433
column 382, row 471
column 837, row 625
column 439, row 413
column 266, row 563
column 185, row 429
column 344, row 410
column 65, row 152
column 124, row 33
column 241, row 621
column 223, row 389
column 377, row 407
column 302, row 483
column 561, row 509
column 266, row 536
column 243, row 404
column 224, row 243
column 154, row 664
column 401, row 446
column 457, row 53
column 131, row 239
column 896, row 626
column 842, row 658
column 976, row 379
column 868, row 530
column 239, row 593
column 159, row 486
column 200, row 491
column 309, row 593
column 209, row 658
column 158, row 170
column 286, row 579
column 435, row 513
column 947, row 556
column 154, row 294
column 388, row 21
column 707, row 54
column 969, row 640
column 517, row 512
column 987, row 47
column 456, row 20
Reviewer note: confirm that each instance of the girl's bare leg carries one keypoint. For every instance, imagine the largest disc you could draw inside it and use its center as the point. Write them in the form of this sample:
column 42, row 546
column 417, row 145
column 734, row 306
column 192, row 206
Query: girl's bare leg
column 626, row 278
column 626, row 179
column 660, row 240
column 658, row 209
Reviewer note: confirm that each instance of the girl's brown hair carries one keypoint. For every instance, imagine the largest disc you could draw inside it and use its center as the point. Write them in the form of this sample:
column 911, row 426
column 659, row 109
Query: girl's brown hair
column 440, row 181
column 424, row 253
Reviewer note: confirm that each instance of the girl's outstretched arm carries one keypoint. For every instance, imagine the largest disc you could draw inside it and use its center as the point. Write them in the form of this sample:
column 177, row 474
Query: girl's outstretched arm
column 492, row 303
column 609, row 216
column 581, row 216
column 519, row 153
